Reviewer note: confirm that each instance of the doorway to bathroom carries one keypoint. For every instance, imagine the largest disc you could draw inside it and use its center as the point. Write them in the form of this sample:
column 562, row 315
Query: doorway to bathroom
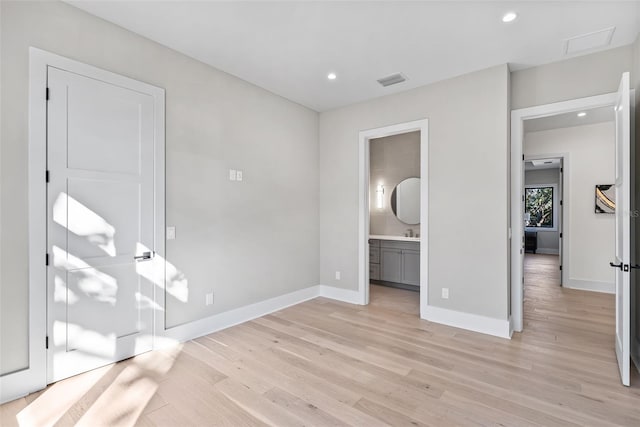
column 393, row 227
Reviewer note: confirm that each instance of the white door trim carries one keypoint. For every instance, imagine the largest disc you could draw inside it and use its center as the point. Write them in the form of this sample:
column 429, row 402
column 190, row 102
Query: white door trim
column 363, row 211
column 34, row 376
column 517, row 185
column 563, row 195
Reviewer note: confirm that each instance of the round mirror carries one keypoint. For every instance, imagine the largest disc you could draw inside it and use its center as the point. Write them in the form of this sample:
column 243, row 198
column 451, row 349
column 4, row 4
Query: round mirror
column 405, row 201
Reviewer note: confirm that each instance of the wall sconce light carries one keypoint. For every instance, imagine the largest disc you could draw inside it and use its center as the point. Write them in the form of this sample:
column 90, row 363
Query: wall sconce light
column 380, row 196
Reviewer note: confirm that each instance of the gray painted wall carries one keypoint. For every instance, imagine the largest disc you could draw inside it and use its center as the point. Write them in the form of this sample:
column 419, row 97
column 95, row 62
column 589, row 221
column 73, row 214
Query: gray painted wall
column 590, row 237
column 549, row 240
column 577, row 77
column 468, row 123
column 392, row 159
column 635, row 288
column 245, row 241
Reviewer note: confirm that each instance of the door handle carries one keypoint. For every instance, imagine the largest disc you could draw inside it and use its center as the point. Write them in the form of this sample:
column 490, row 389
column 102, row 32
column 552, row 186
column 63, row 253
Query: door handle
column 144, row 257
column 616, row 265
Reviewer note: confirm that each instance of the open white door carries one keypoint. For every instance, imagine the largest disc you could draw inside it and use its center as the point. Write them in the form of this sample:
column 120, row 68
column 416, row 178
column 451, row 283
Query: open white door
column 561, row 217
column 623, row 228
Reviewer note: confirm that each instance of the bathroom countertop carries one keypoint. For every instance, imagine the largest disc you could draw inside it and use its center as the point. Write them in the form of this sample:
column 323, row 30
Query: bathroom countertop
column 397, row 238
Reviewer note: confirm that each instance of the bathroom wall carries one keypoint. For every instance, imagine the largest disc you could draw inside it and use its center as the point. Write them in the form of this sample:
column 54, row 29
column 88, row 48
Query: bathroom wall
column 548, row 241
column 392, row 159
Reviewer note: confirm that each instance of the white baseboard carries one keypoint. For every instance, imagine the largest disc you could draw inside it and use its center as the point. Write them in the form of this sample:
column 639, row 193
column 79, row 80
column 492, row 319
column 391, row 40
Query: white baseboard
column 590, row 285
column 471, row 322
column 344, row 295
column 13, row 386
column 233, row 317
column 548, row 251
column 19, row 384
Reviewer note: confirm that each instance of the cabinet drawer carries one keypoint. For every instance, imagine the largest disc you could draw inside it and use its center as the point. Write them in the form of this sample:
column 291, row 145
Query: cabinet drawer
column 374, row 271
column 396, row 244
column 374, row 254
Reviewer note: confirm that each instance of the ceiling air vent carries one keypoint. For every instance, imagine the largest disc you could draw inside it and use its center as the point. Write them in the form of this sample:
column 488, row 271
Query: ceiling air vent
column 393, row 79
column 587, row 42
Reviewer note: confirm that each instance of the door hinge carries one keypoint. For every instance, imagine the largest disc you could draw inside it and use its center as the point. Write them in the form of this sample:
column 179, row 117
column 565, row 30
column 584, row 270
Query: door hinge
column 46, row 176
column 46, row 259
column 561, row 235
column 47, row 94
column 523, row 157
column 560, row 268
column 46, row 342
column 560, row 202
column 561, row 170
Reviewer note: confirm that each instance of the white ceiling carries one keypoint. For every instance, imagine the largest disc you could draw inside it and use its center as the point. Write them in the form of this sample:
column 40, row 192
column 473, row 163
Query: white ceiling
column 595, row 115
column 555, row 164
column 290, row 47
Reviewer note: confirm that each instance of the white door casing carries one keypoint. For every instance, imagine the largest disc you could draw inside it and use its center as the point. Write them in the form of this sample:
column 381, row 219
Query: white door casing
column 364, row 138
column 34, row 375
column 100, row 216
column 517, row 190
column 623, row 228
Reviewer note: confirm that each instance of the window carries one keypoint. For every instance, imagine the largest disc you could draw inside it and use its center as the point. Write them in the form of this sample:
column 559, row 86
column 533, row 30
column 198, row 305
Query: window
column 540, row 207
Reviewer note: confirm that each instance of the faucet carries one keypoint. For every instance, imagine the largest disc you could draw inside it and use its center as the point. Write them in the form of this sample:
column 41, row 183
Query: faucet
column 410, row 232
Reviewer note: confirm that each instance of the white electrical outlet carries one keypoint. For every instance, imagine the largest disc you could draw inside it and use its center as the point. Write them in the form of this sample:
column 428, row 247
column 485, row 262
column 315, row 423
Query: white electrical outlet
column 171, row 233
column 239, row 175
column 208, row 300
column 337, row 275
column 445, row 293
column 233, row 174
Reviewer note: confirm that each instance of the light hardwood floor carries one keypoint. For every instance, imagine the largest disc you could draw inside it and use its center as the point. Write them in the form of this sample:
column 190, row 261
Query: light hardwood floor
column 327, row 363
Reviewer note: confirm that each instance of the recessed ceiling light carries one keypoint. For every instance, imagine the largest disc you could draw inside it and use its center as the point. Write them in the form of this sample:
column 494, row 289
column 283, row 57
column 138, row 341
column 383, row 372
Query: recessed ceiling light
column 509, row 17
column 582, row 114
column 331, row 76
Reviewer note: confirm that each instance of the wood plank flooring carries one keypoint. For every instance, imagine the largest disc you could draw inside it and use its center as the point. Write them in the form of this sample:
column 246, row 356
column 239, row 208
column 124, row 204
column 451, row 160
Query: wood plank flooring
column 327, row 363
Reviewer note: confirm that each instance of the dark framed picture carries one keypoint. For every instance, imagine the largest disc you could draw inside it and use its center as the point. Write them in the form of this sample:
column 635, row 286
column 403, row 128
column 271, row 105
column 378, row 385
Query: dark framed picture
column 605, row 199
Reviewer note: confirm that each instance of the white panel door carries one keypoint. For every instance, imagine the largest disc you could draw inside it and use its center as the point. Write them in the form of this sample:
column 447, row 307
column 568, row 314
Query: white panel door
column 100, row 202
column 623, row 228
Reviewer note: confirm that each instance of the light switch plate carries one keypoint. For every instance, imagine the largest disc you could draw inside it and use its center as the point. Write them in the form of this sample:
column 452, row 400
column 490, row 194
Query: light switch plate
column 338, row 275
column 232, row 174
column 239, row 175
column 171, row 233
column 445, row 293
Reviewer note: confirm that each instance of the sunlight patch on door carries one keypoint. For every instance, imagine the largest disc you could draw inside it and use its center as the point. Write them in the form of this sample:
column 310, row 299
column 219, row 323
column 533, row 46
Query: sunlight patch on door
column 94, row 283
column 82, row 221
column 176, row 284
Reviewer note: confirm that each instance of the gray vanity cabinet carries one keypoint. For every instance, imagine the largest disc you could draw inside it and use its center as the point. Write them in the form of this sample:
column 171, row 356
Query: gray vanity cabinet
column 391, row 265
column 411, row 267
column 394, row 261
column 374, row 259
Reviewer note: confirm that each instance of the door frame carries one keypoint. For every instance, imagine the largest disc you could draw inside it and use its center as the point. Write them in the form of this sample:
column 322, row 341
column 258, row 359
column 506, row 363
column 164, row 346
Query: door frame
column 517, row 188
column 363, row 200
column 563, row 215
column 34, row 377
